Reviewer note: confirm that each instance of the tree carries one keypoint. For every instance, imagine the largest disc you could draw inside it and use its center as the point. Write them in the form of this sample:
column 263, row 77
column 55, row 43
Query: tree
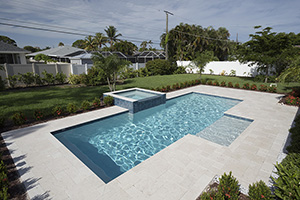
column 79, row 44
column 32, row 49
column 268, row 50
column 60, row 44
column 110, row 66
column 43, row 57
column 90, row 43
column 112, row 35
column 125, row 47
column 144, row 44
column 292, row 73
column 7, row 40
column 202, row 59
column 99, row 40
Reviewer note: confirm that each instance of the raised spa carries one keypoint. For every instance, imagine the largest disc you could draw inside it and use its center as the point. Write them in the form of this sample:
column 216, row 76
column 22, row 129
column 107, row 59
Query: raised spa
column 137, row 99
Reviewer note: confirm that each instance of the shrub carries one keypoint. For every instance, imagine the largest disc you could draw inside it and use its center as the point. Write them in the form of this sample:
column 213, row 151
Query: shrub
column 295, row 136
column 108, row 100
column 223, row 83
column 160, row 67
column 246, row 86
column 38, row 80
column 263, row 88
column 197, row 82
column 60, row 78
column 232, row 73
column 72, row 108
column 253, row 87
column 209, row 82
column 237, row 85
column 180, row 70
column 230, row 84
column 73, row 79
column 19, row 118
column 85, row 105
column 2, row 121
column 259, row 190
column 182, row 85
column 95, row 76
column 27, row 78
column 163, row 89
column 57, row 111
column 96, row 102
column 203, row 81
column 272, row 89
column 223, row 73
column 157, row 89
column 3, row 181
column 142, row 72
column 13, row 80
column 168, row 88
column 128, row 72
column 216, row 83
column 38, row 115
column 228, row 187
column 2, row 84
column 208, row 195
column 287, row 184
column 48, row 78
column 174, row 87
column 211, row 71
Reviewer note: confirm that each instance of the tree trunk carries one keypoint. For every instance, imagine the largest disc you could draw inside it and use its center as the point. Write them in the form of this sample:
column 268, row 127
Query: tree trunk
column 110, row 87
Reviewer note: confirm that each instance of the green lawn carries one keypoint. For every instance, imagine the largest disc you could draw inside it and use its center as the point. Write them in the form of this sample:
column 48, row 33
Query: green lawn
column 28, row 100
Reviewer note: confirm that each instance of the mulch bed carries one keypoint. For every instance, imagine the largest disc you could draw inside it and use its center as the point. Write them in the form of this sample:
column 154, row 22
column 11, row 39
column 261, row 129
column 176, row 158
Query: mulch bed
column 16, row 189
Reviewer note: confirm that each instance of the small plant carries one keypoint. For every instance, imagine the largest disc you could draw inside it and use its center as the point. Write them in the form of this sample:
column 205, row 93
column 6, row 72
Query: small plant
column 197, row 82
column 3, row 181
column 38, row 115
column 253, row 87
column 182, row 85
column 272, row 89
column 263, row 88
column 19, row 118
column 216, row 83
column 228, row 187
column 57, row 111
column 223, row 83
column 60, row 78
column 223, row 73
column 85, row 105
column 96, row 102
column 259, row 190
column 211, row 71
column 108, row 100
column 246, row 86
column 2, row 84
column 27, row 78
column 48, row 78
column 73, row 79
column 209, row 82
column 237, row 85
column 38, row 80
column 230, row 84
column 168, row 88
column 203, row 81
column 72, row 108
column 174, row 87
column 208, row 195
column 13, row 80
column 232, row 73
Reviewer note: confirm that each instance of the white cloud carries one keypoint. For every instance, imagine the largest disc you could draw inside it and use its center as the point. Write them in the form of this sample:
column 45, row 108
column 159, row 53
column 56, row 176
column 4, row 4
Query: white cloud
column 144, row 20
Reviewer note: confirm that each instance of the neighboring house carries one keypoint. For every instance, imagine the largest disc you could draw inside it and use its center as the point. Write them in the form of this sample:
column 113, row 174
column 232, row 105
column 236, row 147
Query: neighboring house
column 11, row 54
column 60, row 54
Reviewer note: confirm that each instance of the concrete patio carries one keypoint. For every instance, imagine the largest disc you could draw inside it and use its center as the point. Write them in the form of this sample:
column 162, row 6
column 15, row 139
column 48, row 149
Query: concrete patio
column 180, row 171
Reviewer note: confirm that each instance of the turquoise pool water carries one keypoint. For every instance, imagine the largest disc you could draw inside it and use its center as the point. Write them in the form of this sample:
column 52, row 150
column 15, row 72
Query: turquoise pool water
column 136, row 94
column 113, row 145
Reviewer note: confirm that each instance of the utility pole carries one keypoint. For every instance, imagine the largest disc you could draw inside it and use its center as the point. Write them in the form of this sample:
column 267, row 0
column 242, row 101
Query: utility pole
column 167, row 12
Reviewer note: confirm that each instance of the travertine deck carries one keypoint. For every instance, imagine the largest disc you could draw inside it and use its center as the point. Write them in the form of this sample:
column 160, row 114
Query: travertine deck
column 180, row 171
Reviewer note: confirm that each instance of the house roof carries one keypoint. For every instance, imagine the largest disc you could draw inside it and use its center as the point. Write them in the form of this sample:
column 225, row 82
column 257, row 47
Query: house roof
column 62, row 51
column 9, row 48
column 104, row 53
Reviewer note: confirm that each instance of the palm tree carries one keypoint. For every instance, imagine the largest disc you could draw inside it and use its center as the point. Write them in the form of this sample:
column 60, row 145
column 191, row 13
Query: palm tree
column 112, row 35
column 99, row 40
column 89, row 42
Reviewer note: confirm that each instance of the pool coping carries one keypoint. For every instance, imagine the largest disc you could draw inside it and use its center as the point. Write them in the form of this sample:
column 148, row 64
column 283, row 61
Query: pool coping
column 179, row 171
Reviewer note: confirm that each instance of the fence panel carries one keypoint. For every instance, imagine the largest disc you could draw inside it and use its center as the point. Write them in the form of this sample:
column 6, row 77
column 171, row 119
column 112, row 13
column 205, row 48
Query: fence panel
column 64, row 68
column 50, row 68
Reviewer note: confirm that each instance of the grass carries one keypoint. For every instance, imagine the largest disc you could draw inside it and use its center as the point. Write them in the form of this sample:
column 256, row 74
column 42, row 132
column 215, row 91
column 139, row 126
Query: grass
column 45, row 98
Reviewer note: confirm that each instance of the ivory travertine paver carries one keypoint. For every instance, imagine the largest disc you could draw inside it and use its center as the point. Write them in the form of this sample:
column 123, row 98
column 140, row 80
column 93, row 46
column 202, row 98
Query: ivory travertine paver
column 180, row 171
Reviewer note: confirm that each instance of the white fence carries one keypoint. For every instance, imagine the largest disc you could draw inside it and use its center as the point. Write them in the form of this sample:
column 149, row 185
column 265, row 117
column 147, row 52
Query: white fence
column 218, row 67
column 66, row 68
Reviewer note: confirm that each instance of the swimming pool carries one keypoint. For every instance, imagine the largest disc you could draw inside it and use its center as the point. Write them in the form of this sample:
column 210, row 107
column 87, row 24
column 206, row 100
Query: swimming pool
column 136, row 94
column 113, row 145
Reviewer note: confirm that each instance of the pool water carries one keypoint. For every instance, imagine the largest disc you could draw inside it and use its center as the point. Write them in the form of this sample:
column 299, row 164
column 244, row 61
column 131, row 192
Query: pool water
column 136, row 94
column 113, row 145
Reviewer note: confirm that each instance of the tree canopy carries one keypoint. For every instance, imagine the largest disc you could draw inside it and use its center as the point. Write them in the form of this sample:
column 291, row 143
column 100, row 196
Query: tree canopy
column 7, row 40
column 112, row 35
column 202, row 59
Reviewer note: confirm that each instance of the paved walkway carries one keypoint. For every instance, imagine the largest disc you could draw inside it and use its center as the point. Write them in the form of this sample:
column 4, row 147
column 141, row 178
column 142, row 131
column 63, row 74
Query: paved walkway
column 180, row 171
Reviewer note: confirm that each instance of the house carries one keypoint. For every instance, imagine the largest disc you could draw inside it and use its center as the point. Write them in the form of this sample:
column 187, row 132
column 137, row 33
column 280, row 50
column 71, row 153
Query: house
column 60, row 54
column 11, row 54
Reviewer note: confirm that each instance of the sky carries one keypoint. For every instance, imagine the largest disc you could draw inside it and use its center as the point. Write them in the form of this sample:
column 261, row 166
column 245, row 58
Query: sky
column 140, row 20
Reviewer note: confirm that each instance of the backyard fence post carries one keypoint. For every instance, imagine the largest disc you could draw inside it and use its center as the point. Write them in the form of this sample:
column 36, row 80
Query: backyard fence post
column 56, row 68
column 85, row 68
column 71, row 66
column 33, row 67
column 6, row 73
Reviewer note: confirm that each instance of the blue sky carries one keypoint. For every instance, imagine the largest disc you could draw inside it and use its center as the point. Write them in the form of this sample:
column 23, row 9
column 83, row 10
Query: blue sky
column 141, row 20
